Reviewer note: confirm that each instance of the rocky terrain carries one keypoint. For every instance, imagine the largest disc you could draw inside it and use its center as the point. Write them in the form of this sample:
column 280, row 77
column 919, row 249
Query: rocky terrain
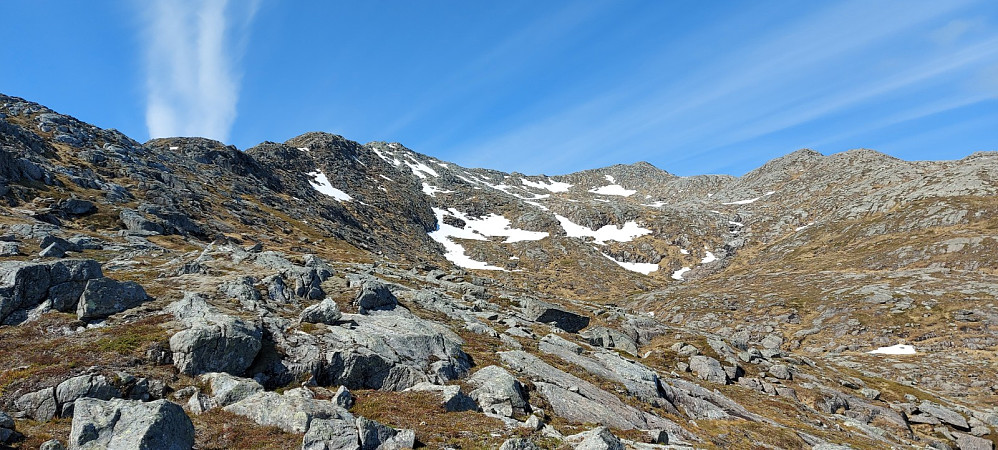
column 323, row 294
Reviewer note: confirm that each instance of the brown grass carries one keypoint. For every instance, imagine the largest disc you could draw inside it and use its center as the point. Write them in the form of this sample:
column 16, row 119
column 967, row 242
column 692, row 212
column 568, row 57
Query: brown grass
column 222, row 430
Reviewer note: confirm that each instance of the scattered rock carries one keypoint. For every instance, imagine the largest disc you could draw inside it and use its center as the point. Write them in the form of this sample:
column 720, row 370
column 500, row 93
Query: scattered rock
column 39, row 405
column 610, row 338
column 77, row 207
column 343, row 398
column 51, row 444
column 597, row 439
column 452, row 398
column 84, row 386
column 780, row 371
column 518, row 444
column 9, row 248
column 227, row 389
column 966, row 441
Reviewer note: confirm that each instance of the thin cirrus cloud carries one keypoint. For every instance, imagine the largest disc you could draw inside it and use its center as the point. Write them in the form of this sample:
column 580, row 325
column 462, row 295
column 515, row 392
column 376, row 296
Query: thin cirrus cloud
column 839, row 61
column 192, row 51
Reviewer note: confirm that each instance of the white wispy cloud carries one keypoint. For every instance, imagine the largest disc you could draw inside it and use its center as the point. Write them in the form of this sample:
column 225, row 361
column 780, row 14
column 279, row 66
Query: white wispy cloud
column 817, row 66
column 192, row 52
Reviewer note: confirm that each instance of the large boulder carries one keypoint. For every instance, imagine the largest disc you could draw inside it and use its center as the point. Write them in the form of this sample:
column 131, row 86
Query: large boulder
column 326, row 311
column 498, row 392
column 597, row 439
column 451, row 397
column 707, row 368
column 84, row 386
column 69, row 279
column 22, row 285
column 134, row 221
column 212, row 341
column 375, row 436
column 374, row 295
column 226, row 389
column 7, row 431
column 40, row 405
column 293, row 411
column 103, row 297
column 128, row 424
column 331, row 434
column 544, row 312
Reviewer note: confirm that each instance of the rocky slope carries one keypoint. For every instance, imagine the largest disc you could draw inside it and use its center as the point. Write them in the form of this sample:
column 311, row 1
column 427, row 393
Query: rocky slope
column 321, row 293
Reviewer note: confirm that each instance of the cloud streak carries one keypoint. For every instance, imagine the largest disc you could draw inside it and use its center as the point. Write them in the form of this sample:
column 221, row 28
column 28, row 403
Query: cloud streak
column 192, row 52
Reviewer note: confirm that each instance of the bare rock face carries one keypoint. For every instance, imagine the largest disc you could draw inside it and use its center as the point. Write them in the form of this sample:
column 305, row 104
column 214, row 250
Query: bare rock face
column 127, row 424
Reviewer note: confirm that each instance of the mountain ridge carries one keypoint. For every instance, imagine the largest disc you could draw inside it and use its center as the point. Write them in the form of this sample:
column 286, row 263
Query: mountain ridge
column 718, row 310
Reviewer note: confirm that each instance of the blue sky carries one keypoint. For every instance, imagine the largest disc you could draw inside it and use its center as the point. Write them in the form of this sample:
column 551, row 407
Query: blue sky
column 536, row 87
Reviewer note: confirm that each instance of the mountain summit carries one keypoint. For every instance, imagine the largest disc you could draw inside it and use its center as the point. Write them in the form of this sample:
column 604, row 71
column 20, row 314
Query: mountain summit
column 323, row 293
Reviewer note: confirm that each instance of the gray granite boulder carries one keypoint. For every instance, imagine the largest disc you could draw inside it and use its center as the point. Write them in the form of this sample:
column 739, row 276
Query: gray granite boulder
column 129, row 424
column 212, row 341
column 103, row 297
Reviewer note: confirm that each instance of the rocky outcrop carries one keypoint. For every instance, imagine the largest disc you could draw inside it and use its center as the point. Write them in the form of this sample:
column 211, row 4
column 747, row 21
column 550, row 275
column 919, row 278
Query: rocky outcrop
column 577, row 400
column 125, row 424
column 212, row 341
column 325, row 424
column 24, row 285
column 544, row 312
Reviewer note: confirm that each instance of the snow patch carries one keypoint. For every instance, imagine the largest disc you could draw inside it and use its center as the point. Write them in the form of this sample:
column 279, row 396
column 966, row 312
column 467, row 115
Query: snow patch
column 899, row 349
column 495, row 225
column 657, row 204
column 610, row 178
column 751, row 200
column 421, row 170
column 320, row 183
column 174, row 148
column 613, row 189
column 625, row 233
column 684, row 251
column 553, row 186
column 454, row 251
column 708, row 257
column 644, row 268
column 304, row 149
column 432, row 190
column 678, row 275
column 803, row 226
